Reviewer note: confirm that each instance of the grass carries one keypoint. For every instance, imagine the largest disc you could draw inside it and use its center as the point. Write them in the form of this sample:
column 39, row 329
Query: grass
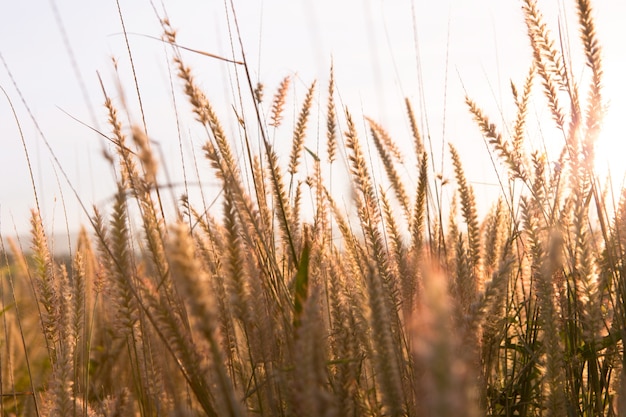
column 283, row 302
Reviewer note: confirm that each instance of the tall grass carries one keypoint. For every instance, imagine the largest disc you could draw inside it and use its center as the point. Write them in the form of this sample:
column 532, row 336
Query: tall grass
column 276, row 304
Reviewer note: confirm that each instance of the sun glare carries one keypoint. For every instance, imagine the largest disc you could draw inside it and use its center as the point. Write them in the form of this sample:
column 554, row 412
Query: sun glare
column 610, row 152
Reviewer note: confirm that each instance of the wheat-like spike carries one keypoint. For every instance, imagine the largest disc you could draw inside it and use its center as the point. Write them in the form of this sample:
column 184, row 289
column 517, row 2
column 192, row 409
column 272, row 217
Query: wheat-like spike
column 468, row 207
column 174, row 334
column 543, row 264
column 522, row 110
column 493, row 237
column 206, row 115
column 78, row 291
column 127, row 166
column 249, row 214
column 148, row 357
column 145, row 155
column 547, row 59
column 140, row 187
column 583, row 271
column 255, row 229
column 102, row 247
column 331, row 118
column 91, row 267
column 386, row 148
column 278, row 103
column 259, row 237
column 416, row 228
column 539, row 189
column 192, row 281
column 63, row 376
column 300, row 130
column 45, row 283
column 384, row 354
column 395, row 240
column 353, row 247
column 154, row 233
column 453, row 227
column 494, row 290
column 542, row 42
column 359, row 171
column 464, row 285
column 341, row 342
column 595, row 107
column 618, row 227
column 260, row 184
column 284, row 213
column 377, row 250
column 503, row 147
column 198, row 100
column 84, row 284
column 153, row 225
column 397, row 253
column 263, row 345
column 385, row 140
column 321, row 222
column 345, row 341
column 116, row 405
column 237, row 285
column 59, row 392
column 361, row 401
column 213, row 265
column 357, row 333
column 555, row 378
column 417, row 137
column 369, row 215
column 310, row 392
column 297, row 208
column 119, row 264
column 590, row 42
column 258, row 92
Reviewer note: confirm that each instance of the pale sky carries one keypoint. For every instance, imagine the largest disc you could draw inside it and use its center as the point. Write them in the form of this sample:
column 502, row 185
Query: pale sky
column 372, row 43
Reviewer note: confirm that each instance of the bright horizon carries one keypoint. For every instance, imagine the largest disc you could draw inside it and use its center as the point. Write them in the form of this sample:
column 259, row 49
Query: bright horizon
column 480, row 47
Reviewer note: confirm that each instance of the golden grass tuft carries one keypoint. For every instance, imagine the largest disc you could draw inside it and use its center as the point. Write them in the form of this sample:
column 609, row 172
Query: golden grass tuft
column 290, row 297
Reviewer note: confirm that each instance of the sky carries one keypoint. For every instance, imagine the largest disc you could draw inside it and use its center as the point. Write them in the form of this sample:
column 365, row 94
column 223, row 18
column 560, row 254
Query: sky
column 54, row 51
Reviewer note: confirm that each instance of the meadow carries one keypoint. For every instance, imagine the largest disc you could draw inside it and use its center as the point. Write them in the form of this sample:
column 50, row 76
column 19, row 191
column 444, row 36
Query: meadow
column 287, row 296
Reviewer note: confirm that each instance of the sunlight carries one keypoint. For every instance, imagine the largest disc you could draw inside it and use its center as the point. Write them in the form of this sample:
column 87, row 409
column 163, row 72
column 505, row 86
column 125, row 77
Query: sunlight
column 611, row 151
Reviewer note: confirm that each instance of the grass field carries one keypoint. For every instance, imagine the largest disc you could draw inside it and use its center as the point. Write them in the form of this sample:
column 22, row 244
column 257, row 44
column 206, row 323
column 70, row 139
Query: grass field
column 288, row 297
